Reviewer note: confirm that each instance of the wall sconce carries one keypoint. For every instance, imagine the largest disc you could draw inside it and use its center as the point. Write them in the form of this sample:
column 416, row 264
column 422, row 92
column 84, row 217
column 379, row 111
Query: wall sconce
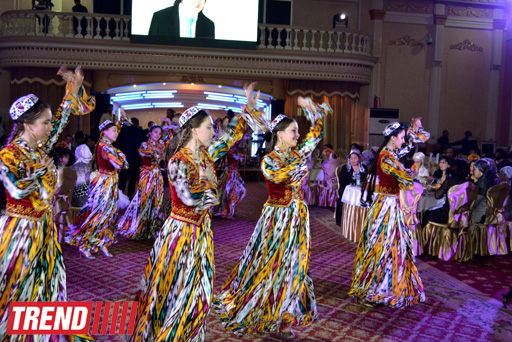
column 340, row 20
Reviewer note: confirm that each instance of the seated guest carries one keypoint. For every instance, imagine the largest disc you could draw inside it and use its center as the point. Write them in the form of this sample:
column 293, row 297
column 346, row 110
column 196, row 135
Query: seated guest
column 367, row 158
column 501, row 159
column 82, row 167
column 473, row 157
column 354, row 146
column 351, row 173
column 328, row 152
column 471, row 177
column 505, row 175
column 485, row 175
column 418, row 169
column 450, row 153
column 444, row 166
column 459, row 170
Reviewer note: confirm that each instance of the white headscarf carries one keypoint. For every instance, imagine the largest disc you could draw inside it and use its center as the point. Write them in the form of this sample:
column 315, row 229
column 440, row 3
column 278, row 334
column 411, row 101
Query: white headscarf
column 83, row 154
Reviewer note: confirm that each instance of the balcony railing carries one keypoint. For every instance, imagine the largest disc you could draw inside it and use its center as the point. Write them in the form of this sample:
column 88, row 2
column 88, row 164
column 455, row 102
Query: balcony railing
column 93, row 26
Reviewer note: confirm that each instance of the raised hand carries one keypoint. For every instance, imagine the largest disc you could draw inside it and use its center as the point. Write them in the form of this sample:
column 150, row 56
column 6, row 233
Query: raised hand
column 74, row 79
column 416, row 123
column 308, row 104
column 166, row 120
column 251, row 101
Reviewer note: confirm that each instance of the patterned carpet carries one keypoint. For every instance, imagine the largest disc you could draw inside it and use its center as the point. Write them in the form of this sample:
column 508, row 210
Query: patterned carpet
column 462, row 299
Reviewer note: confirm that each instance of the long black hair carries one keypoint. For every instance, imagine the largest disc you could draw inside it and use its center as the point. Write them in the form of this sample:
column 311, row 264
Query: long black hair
column 186, row 130
column 281, row 126
column 369, row 181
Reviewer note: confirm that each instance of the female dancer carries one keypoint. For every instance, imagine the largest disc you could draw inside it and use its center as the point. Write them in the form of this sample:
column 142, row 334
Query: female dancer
column 95, row 224
column 31, row 264
column 384, row 269
column 178, row 284
column 145, row 213
column 231, row 186
column 270, row 289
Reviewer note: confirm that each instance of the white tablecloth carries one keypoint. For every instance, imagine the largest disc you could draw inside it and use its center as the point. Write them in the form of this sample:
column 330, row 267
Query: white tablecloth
column 352, row 195
column 316, row 174
column 429, row 202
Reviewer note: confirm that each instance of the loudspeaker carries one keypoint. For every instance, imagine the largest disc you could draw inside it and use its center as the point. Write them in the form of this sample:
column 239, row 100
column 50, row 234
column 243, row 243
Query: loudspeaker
column 379, row 119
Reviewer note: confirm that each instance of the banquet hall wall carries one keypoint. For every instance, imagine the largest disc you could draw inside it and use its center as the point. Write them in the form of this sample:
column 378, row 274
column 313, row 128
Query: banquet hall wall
column 457, row 83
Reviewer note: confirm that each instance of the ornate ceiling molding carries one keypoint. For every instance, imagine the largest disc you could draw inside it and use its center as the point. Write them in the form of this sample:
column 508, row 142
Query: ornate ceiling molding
column 466, row 45
column 126, row 56
column 469, row 12
column 406, row 41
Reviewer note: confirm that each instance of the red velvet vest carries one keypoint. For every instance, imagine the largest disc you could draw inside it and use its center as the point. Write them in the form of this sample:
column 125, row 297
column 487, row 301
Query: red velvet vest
column 179, row 210
column 282, row 194
column 388, row 184
column 104, row 165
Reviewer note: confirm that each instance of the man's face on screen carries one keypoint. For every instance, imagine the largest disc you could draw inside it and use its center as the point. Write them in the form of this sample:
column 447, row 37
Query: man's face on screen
column 194, row 5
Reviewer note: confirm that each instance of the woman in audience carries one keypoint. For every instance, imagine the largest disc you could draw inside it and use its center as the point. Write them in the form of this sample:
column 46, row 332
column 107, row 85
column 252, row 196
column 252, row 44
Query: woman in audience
column 486, row 177
column 82, row 167
column 505, row 175
column 95, row 225
column 458, row 174
column 384, row 268
column 444, row 169
column 271, row 289
column 418, row 169
column 351, row 173
column 145, row 214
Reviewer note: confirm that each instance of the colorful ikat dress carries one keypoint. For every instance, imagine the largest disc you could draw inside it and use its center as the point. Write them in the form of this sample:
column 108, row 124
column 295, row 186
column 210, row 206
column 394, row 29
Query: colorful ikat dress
column 271, row 284
column 145, row 215
column 31, row 264
column 178, row 283
column 96, row 223
column 231, row 186
column 384, row 268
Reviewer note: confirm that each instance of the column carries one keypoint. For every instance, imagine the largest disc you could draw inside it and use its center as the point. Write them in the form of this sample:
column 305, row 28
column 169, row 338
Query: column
column 434, row 101
column 491, row 129
column 377, row 17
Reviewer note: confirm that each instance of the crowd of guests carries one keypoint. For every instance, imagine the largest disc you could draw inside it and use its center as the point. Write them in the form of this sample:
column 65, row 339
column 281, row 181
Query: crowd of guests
column 440, row 172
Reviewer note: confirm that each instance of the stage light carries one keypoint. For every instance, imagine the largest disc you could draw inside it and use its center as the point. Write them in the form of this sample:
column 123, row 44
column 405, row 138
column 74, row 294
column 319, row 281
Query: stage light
column 340, row 20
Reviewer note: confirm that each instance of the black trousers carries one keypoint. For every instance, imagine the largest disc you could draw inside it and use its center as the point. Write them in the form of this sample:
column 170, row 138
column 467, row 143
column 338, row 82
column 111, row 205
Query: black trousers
column 132, row 177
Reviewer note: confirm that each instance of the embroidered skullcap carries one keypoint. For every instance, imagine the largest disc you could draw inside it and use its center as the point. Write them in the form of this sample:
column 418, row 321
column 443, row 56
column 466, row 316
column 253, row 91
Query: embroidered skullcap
column 105, row 124
column 155, row 125
column 419, row 156
column 187, row 115
column 390, row 128
column 506, row 171
column 356, row 152
column 22, row 105
column 276, row 121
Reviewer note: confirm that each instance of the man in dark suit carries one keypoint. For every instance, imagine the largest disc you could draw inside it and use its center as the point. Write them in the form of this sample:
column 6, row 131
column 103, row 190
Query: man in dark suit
column 129, row 141
column 185, row 19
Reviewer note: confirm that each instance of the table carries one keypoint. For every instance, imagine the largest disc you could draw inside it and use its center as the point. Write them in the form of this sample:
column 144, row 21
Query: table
column 354, row 213
column 315, row 173
column 429, row 202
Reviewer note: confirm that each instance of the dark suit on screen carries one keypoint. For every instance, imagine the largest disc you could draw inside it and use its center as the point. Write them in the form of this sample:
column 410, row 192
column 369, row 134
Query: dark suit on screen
column 166, row 23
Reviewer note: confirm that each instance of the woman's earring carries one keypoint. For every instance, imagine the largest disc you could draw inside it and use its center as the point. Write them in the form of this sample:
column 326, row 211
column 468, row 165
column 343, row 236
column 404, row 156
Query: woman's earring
column 282, row 144
column 197, row 147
